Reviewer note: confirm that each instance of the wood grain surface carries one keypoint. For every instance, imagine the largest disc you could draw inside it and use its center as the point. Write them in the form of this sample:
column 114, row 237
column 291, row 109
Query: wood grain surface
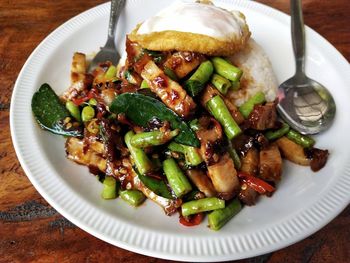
column 32, row 231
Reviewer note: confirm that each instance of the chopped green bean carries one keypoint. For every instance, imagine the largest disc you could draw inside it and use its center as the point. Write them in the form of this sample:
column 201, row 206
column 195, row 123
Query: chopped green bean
column 218, row 218
column 247, row 107
column 73, row 110
column 201, row 205
column 234, row 156
column 144, row 85
column 87, row 113
column 226, row 69
column 303, row 140
column 111, row 72
column 133, row 197
column 235, row 85
column 153, row 138
column 218, row 109
column 109, row 188
column 142, row 162
column 177, row 180
column 199, row 78
column 92, row 102
column 222, row 84
column 192, row 157
column 273, row 135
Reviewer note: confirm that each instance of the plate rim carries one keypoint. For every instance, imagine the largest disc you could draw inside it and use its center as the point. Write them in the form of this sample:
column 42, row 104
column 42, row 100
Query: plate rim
column 333, row 211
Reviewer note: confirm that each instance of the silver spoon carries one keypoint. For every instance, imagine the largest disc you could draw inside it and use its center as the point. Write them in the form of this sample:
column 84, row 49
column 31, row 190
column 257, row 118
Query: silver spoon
column 304, row 104
column 109, row 51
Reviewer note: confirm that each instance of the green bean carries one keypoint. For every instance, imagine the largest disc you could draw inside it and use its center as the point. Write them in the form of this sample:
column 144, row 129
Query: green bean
column 247, row 107
column 235, row 85
column 87, row 113
column 142, row 162
column 303, row 140
column 194, row 125
column 226, row 69
column 109, row 188
column 133, row 197
column 111, row 72
column 92, row 102
column 192, row 157
column 234, row 155
column 218, row 218
column 144, row 85
column 199, row 78
column 153, row 138
column 222, row 84
column 273, row 135
column 218, row 109
column 202, row 205
column 177, row 180
column 170, row 73
column 73, row 110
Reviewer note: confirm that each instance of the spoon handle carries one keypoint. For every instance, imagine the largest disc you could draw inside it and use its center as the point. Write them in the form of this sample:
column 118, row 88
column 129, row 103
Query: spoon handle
column 116, row 8
column 298, row 35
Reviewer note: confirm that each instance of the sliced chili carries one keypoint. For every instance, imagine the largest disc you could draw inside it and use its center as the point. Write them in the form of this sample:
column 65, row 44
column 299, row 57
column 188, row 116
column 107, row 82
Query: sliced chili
column 257, row 184
column 192, row 220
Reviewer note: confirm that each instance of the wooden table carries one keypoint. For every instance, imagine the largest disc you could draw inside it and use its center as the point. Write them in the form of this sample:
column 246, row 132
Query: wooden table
column 32, row 231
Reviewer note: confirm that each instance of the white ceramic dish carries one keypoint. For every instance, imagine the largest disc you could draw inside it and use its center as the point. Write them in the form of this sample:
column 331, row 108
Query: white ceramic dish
column 304, row 202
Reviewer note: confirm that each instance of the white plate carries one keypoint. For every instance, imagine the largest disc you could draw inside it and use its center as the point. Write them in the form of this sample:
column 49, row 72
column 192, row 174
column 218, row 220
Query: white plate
column 304, row 202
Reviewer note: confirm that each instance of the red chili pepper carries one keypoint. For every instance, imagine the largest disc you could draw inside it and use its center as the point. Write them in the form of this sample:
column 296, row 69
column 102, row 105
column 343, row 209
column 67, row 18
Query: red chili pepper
column 257, row 184
column 192, row 220
column 91, row 94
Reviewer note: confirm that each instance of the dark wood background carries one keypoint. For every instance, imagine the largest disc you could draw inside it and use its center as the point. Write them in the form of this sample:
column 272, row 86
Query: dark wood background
column 32, row 231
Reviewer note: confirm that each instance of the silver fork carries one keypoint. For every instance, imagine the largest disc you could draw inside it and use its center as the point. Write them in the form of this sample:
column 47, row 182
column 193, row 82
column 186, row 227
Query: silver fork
column 109, row 51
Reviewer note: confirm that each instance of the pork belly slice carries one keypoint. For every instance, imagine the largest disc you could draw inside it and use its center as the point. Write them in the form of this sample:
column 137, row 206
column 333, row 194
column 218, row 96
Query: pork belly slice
column 201, row 181
column 263, row 117
column 270, row 166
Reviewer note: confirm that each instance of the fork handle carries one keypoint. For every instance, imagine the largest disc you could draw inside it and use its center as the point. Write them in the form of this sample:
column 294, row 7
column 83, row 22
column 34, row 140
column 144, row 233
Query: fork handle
column 116, row 8
column 298, row 35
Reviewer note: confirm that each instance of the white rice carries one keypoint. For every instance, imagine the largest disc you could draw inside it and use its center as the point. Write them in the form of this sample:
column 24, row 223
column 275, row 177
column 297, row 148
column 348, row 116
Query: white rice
column 257, row 75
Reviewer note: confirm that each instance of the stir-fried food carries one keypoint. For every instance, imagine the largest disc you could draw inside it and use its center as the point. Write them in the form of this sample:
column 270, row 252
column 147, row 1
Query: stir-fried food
column 164, row 126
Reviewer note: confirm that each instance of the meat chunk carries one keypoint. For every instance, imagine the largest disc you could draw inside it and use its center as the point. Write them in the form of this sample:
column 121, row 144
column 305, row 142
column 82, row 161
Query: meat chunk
column 201, row 181
column 224, row 177
column 292, row 151
column 169, row 91
column 318, row 158
column 248, row 195
column 270, row 167
column 182, row 63
column 250, row 162
column 263, row 117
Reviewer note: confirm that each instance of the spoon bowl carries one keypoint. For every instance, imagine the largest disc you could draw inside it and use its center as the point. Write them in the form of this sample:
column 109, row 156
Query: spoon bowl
column 306, row 105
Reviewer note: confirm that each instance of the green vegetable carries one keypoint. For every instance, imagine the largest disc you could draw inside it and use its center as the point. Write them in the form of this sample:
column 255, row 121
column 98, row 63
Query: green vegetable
column 142, row 162
column 194, row 124
column 109, row 188
column 226, row 69
column 273, row 135
column 303, row 140
column 87, row 113
column 133, row 197
column 51, row 114
column 235, row 85
column 192, row 157
column 156, row 55
column 170, row 73
column 144, row 85
column 218, row 109
column 218, row 218
column 73, row 110
column 177, row 180
column 153, row 138
column 247, row 107
column 141, row 109
column 201, row 205
column 111, row 72
column 234, row 155
column 200, row 77
column 221, row 83
column 92, row 102
column 159, row 187
column 129, row 77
